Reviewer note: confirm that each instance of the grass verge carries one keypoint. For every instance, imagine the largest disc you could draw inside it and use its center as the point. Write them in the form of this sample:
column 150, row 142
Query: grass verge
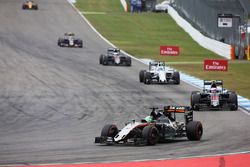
column 141, row 34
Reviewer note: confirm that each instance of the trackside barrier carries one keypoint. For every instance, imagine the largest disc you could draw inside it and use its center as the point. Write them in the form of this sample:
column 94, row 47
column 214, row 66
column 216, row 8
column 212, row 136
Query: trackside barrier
column 248, row 52
column 125, row 5
column 217, row 47
column 232, row 53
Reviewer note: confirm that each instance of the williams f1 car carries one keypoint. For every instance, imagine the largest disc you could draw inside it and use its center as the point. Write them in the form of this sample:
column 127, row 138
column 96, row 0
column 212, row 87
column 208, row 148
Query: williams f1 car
column 69, row 40
column 160, row 126
column 115, row 57
column 30, row 5
column 159, row 73
column 214, row 97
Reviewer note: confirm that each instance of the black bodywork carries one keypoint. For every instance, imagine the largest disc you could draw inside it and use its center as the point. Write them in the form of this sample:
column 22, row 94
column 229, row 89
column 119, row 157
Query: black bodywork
column 202, row 100
column 160, row 130
column 112, row 55
column 27, row 6
column 69, row 40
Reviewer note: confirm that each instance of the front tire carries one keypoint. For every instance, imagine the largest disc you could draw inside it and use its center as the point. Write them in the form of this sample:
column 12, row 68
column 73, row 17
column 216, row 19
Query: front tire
column 109, row 130
column 150, row 134
column 176, row 77
column 195, row 100
column 233, row 100
column 141, row 75
column 194, row 130
column 101, row 59
column 147, row 78
column 129, row 61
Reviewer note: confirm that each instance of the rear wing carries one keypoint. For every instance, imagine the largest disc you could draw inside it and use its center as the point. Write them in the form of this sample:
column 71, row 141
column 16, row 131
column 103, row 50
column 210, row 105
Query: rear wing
column 217, row 82
column 176, row 109
column 113, row 50
column 156, row 63
column 188, row 113
column 212, row 83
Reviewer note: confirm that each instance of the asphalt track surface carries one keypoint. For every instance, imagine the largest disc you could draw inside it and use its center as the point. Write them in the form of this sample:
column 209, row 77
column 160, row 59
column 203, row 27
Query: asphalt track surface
column 54, row 101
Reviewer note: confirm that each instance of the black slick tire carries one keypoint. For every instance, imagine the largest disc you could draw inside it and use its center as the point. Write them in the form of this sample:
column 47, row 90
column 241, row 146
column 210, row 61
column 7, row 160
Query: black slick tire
column 194, row 130
column 141, row 75
column 176, row 77
column 150, row 134
column 109, row 130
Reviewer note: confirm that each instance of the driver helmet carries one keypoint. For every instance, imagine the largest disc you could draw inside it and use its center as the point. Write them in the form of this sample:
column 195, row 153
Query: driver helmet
column 149, row 119
column 213, row 85
column 155, row 114
column 153, row 68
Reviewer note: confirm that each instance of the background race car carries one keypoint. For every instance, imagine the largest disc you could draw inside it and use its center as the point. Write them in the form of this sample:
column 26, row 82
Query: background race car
column 69, row 40
column 214, row 97
column 30, row 5
column 161, row 126
column 115, row 57
column 159, row 73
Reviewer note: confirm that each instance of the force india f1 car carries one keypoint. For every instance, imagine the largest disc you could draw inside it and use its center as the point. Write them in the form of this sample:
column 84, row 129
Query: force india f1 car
column 214, row 97
column 159, row 73
column 160, row 126
column 69, row 40
column 115, row 57
column 30, row 5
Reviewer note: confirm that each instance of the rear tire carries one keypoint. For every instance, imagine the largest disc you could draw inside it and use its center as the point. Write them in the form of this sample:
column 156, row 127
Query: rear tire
column 109, row 130
column 150, row 134
column 194, row 130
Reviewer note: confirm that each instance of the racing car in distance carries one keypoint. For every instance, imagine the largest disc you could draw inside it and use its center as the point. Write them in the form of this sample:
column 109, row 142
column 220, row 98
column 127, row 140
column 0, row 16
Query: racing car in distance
column 30, row 5
column 159, row 73
column 115, row 57
column 214, row 97
column 162, row 127
column 69, row 40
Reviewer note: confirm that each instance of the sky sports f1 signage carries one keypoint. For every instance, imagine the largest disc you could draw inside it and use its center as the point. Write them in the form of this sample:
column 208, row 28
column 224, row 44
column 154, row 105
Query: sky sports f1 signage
column 169, row 50
column 215, row 65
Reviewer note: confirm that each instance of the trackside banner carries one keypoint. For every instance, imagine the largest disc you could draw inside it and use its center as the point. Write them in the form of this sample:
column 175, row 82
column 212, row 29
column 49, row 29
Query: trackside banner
column 215, row 65
column 169, row 50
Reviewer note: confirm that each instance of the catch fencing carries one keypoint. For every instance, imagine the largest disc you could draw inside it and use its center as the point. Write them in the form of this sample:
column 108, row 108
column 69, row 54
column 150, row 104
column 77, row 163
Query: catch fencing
column 203, row 16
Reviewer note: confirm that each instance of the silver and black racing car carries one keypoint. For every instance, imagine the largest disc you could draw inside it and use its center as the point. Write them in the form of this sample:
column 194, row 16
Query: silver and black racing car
column 160, row 126
column 214, row 97
column 159, row 73
column 69, row 40
column 115, row 57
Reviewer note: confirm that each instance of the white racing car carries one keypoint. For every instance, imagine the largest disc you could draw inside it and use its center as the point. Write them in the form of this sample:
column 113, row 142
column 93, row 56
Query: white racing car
column 159, row 73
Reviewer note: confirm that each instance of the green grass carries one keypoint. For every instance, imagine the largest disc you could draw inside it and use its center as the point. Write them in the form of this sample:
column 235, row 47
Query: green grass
column 142, row 34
